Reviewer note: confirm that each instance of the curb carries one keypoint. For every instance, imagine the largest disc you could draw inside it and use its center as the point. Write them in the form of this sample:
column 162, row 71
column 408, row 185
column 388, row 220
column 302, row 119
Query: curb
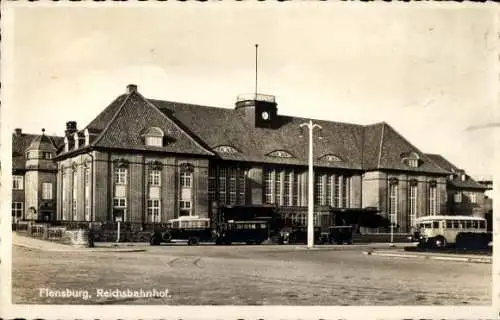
column 77, row 249
column 429, row 257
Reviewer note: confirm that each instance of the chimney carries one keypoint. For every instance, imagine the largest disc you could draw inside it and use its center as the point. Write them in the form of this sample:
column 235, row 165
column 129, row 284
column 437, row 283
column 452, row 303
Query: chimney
column 131, row 88
column 70, row 128
column 18, row 131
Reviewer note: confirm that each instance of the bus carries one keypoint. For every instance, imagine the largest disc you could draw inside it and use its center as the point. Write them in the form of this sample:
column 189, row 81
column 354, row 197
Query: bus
column 443, row 231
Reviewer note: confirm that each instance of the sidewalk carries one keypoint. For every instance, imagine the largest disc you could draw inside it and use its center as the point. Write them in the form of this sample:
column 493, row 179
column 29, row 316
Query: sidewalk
column 32, row 243
column 431, row 256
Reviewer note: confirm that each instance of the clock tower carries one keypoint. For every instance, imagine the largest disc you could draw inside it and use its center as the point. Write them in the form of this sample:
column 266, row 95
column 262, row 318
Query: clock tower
column 259, row 110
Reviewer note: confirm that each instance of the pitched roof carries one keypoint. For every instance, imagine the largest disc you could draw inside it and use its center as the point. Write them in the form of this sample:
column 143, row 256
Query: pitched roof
column 21, row 142
column 198, row 129
column 122, row 124
column 456, row 182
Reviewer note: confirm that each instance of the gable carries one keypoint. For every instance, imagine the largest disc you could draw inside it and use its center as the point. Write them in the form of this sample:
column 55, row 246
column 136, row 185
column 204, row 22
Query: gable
column 134, row 117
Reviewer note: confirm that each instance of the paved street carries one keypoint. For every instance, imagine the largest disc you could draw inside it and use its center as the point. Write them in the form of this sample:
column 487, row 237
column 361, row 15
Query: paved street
column 249, row 275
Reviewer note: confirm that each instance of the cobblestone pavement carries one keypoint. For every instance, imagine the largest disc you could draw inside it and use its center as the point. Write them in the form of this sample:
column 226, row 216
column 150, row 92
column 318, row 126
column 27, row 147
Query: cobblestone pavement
column 248, row 275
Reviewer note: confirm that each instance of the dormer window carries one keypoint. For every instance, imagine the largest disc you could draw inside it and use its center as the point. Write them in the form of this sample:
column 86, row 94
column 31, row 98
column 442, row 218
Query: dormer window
column 463, row 177
column 225, row 149
column 87, row 136
column 331, row 158
column 411, row 159
column 280, row 154
column 154, row 137
column 77, row 141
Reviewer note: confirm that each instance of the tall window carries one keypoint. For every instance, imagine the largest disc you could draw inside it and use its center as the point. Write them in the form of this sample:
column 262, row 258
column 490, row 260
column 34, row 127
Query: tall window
column 319, row 194
column 47, row 191
column 86, row 182
column 120, row 175
column 393, row 203
column 330, row 189
column 268, row 186
column 212, row 183
column 473, row 197
column 278, row 192
column 232, row 185
column 287, row 188
column 412, row 197
column 17, row 210
column 338, row 190
column 74, row 208
column 432, row 200
column 186, row 193
column 154, row 178
column 242, row 186
column 457, row 197
column 222, row 184
column 346, row 192
column 154, row 210
column 17, row 182
column 296, row 189
column 64, row 191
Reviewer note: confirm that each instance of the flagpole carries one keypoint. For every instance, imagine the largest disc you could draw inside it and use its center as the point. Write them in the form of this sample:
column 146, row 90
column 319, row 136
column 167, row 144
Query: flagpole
column 256, row 68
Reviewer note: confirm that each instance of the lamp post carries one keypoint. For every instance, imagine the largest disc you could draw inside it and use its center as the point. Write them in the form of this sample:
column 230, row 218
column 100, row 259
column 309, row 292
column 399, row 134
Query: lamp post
column 310, row 201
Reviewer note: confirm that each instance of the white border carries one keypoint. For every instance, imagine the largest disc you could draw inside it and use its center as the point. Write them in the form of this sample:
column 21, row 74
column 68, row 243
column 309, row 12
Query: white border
column 199, row 312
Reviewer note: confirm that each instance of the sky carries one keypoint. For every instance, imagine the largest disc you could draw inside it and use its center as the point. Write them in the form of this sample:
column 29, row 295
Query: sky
column 430, row 72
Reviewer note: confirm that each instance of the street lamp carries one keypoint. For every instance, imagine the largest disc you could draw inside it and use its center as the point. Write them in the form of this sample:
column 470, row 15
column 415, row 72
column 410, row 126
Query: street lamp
column 310, row 201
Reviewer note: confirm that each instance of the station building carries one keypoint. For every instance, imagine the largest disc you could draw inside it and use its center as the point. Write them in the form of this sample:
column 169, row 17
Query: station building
column 153, row 160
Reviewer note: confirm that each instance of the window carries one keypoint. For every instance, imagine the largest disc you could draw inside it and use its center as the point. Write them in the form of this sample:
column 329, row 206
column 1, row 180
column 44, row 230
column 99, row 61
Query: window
column 154, row 137
column 186, row 179
column 280, row 154
column 457, row 197
column 17, row 210
column 154, row 141
column 296, row 189
column 482, row 224
column 287, row 188
column 346, row 186
column 47, row 155
column 393, row 203
column 433, row 200
column 449, row 224
column 268, row 186
column 86, row 182
column 473, row 197
column 319, row 194
column 278, row 199
column 185, row 208
column 64, row 191
column 212, row 184
column 120, row 175
column 413, row 203
column 154, row 178
column 435, row 224
column 226, row 149
column 413, row 163
column 47, row 191
column 154, row 210
column 331, row 158
column 232, row 185
column 222, row 184
column 74, row 208
column 17, row 182
column 86, row 133
column 242, row 186
column 338, row 181
column 120, row 202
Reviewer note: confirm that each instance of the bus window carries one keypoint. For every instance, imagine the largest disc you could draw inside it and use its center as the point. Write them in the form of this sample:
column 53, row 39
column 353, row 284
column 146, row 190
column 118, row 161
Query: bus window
column 449, row 224
column 468, row 224
column 435, row 224
column 482, row 224
column 456, row 224
column 474, row 224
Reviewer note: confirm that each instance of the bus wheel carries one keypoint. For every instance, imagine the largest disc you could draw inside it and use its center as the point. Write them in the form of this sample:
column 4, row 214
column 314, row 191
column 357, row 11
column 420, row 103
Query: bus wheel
column 193, row 241
column 439, row 242
column 154, row 241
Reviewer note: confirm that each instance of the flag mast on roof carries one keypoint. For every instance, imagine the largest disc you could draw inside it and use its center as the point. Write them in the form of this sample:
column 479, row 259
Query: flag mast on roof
column 256, row 67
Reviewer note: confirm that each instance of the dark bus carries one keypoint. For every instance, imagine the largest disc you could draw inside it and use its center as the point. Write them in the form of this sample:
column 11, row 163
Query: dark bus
column 249, row 232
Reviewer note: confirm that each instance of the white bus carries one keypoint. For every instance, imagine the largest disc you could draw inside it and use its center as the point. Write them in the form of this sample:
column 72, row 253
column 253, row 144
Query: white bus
column 440, row 231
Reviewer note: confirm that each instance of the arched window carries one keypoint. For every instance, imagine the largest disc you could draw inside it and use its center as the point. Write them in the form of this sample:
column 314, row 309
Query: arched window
column 330, row 158
column 154, row 137
column 226, row 149
column 411, row 159
column 280, row 154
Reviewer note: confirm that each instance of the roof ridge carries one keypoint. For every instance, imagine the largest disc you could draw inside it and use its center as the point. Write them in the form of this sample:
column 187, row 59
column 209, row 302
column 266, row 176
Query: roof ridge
column 173, row 122
column 380, row 146
column 101, row 135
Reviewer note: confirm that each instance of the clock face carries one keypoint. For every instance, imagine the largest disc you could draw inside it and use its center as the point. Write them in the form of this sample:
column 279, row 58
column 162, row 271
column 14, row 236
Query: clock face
column 265, row 115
